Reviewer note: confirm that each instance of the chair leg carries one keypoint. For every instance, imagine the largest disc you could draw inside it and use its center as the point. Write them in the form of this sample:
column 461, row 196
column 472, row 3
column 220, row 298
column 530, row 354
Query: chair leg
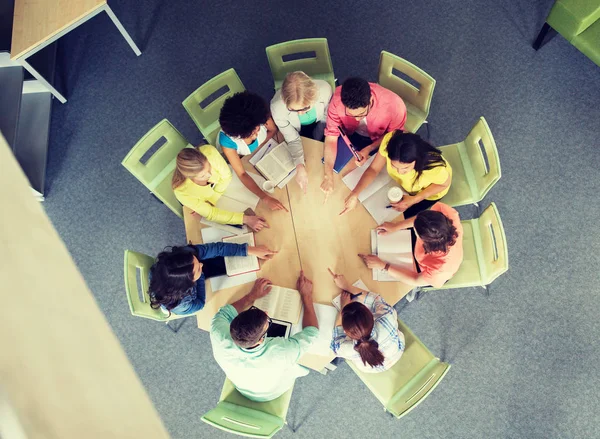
column 539, row 41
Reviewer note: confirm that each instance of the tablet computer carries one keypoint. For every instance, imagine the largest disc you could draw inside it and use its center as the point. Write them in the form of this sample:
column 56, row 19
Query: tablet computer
column 279, row 328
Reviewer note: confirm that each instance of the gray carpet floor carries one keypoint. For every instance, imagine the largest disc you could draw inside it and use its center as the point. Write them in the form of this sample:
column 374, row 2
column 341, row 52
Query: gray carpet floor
column 525, row 356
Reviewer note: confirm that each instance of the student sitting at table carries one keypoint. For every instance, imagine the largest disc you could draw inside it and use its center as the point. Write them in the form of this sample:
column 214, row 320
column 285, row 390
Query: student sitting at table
column 261, row 368
column 438, row 248
column 366, row 331
column 246, row 125
column 417, row 166
column 200, row 178
column 299, row 108
column 176, row 278
column 367, row 111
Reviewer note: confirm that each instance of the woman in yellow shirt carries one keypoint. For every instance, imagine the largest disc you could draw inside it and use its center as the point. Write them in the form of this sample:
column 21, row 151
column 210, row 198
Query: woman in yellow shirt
column 415, row 165
column 200, row 178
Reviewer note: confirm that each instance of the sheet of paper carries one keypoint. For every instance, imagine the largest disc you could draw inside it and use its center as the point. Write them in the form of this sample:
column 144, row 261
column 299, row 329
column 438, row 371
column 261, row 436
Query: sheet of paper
column 229, row 230
column 212, row 234
column 337, row 300
column 395, row 248
column 396, row 242
column 353, row 177
column 326, row 316
column 237, row 265
column 237, row 191
column 287, row 179
column 377, row 202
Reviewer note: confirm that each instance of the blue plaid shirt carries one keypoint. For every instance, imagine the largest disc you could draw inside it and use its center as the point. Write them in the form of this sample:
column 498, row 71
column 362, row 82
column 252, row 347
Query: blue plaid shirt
column 385, row 333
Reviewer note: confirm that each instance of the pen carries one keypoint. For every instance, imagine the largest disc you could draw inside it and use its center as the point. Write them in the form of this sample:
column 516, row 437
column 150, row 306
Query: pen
column 389, row 206
column 354, row 296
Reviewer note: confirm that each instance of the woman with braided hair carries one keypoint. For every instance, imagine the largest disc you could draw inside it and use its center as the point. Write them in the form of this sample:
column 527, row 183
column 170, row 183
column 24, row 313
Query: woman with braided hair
column 437, row 247
column 366, row 331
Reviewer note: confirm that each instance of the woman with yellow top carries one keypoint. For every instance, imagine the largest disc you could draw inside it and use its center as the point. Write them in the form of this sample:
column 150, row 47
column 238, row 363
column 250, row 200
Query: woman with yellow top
column 415, row 165
column 200, row 178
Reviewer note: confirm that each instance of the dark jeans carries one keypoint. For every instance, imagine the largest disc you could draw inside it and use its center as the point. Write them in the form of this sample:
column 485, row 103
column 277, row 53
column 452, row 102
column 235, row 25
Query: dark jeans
column 419, row 207
column 315, row 131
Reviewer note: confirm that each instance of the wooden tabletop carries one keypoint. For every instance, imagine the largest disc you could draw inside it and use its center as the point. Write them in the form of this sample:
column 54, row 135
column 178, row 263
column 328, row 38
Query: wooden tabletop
column 36, row 21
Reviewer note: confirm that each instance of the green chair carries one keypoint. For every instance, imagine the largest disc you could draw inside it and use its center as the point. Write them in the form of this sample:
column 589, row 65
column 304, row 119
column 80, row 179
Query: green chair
column 417, row 99
column 206, row 117
column 238, row 415
column 137, row 270
column 317, row 67
column 408, row 382
column 485, row 254
column 578, row 21
column 157, row 171
column 473, row 174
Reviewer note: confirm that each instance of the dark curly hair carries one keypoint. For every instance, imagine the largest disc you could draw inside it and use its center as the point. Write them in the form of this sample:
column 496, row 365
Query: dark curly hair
column 356, row 93
column 435, row 230
column 408, row 148
column 171, row 277
column 242, row 113
column 247, row 327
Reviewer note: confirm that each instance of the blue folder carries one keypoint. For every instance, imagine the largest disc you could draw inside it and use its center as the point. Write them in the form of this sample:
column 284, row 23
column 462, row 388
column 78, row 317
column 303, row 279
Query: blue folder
column 344, row 155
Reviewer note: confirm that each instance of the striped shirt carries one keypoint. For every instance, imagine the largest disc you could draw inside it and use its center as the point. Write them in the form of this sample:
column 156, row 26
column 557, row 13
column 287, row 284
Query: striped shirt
column 385, row 333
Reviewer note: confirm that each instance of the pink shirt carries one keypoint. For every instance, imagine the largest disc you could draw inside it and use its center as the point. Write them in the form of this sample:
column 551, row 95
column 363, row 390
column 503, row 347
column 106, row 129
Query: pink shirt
column 388, row 113
column 438, row 267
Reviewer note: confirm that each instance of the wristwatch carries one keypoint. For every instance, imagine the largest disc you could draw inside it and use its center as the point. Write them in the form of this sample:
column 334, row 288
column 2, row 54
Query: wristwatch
column 386, row 268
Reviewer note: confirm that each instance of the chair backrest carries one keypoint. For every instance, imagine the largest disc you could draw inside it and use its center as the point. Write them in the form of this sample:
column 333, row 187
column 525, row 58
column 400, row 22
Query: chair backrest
column 420, row 97
column 316, row 66
column 156, row 171
column 215, row 91
column 480, row 141
column 243, row 421
column 410, row 380
column 136, row 271
column 490, row 241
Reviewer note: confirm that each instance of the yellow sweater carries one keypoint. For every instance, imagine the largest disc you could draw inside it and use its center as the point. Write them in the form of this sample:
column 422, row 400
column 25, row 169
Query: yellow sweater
column 203, row 199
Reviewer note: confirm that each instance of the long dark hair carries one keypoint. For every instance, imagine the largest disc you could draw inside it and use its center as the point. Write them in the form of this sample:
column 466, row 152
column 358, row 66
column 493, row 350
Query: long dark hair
column 435, row 230
column 358, row 322
column 171, row 277
column 408, row 148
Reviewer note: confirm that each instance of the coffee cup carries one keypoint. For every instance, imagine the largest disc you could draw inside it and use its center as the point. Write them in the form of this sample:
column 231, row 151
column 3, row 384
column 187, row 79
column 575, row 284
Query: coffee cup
column 394, row 194
column 268, row 187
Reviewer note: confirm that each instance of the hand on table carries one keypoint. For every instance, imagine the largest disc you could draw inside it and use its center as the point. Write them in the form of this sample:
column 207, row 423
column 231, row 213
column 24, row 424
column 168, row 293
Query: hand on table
column 345, row 299
column 273, row 203
column 256, row 223
column 364, row 156
column 262, row 252
column 327, row 186
column 339, row 280
column 350, row 203
column 305, row 286
column 261, row 288
column 404, row 203
column 302, row 177
column 387, row 227
column 372, row 261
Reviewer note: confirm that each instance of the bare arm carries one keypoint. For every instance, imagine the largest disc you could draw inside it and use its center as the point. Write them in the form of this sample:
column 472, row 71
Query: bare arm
column 305, row 287
column 330, row 153
column 261, row 288
column 431, row 190
column 236, row 163
column 271, row 130
column 370, row 174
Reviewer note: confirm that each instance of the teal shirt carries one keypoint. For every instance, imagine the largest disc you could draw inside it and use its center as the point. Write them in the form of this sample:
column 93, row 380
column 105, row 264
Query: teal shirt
column 309, row 117
column 265, row 372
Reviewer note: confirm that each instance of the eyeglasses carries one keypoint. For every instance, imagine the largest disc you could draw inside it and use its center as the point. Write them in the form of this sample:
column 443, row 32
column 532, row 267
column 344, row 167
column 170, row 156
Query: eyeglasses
column 301, row 109
column 268, row 327
column 358, row 115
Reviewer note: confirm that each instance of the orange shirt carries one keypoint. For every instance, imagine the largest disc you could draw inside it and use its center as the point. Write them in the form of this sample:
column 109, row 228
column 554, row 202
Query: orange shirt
column 438, row 267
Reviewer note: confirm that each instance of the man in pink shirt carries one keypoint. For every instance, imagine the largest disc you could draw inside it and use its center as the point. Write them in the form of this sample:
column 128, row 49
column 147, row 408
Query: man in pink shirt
column 367, row 111
column 438, row 249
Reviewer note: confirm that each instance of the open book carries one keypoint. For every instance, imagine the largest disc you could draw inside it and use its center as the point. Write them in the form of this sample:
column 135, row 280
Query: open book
column 237, row 198
column 395, row 248
column 236, row 265
column 275, row 163
column 374, row 197
column 281, row 304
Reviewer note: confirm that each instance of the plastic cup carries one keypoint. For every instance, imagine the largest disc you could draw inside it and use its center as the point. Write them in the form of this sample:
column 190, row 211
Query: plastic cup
column 268, row 187
column 394, row 194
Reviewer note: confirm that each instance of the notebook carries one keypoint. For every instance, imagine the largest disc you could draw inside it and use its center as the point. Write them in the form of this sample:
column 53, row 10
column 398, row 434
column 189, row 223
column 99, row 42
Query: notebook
column 344, row 155
column 275, row 163
column 374, row 197
column 326, row 316
column 236, row 265
column 395, row 248
column 337, row 301
column 281, row 304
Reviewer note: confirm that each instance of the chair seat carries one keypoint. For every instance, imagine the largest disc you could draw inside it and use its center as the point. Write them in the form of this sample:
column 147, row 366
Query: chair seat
column 460, row 192
column 468, row 274
column 278, row 407
column 588, row 42
column 414, row 119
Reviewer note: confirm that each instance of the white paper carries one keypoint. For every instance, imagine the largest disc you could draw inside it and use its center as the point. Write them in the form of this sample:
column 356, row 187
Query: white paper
column 237, row 265
column 337, row 300
column 377, row 204
column 395, row 248
column 287, row 179
column 326, row 316
column 229, row 230
column 221, row 282
column 237, row 191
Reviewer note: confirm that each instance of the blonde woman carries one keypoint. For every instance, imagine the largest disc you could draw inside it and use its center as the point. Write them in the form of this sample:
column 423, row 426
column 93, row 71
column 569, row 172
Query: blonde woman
column 200, row 178
column 299, row 108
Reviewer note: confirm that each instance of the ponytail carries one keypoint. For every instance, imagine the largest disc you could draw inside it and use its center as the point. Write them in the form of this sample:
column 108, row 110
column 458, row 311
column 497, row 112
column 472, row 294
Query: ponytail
column 358, row 323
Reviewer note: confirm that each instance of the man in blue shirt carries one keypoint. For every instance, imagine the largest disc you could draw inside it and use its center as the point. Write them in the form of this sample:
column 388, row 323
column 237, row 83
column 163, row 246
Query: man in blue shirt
column 261, row 368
